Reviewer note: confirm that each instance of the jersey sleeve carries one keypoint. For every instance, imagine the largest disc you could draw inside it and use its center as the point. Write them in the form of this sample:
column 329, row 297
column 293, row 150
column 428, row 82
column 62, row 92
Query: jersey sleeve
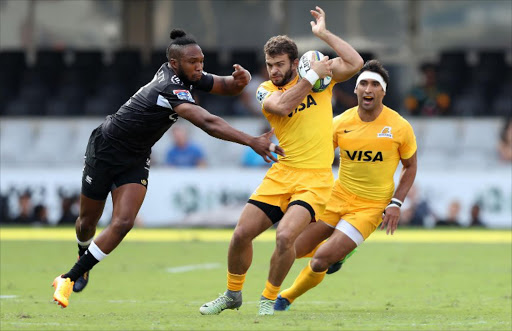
column 205, row 83
column 408, row 142
column 262, row 93
column 174, row 95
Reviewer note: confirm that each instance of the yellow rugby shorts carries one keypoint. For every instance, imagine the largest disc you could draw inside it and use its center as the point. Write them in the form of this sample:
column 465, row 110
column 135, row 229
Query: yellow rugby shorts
column 283, row 185
column 364, row 214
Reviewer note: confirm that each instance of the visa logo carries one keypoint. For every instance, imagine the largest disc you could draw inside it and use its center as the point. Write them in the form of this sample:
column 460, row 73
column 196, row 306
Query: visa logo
column 367, row 156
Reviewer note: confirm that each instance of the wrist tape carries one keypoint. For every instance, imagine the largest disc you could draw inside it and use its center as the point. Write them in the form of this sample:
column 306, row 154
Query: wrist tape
column 394, row 203
column 312, row 76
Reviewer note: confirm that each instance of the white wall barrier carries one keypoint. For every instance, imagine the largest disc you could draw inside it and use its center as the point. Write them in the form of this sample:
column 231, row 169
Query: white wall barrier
column 215, row 197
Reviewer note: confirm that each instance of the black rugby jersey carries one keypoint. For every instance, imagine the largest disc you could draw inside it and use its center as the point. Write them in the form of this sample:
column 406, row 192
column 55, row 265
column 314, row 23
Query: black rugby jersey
column 148, row 114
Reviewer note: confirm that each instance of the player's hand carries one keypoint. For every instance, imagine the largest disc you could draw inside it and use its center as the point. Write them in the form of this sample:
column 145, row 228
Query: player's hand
column 241, row 76
column 318, row 27
column 322, row 67
column 390, row 220
column 264, row 147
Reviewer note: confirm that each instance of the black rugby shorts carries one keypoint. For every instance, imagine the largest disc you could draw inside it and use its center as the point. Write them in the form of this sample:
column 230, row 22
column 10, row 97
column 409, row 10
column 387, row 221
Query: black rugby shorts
column 106, row 168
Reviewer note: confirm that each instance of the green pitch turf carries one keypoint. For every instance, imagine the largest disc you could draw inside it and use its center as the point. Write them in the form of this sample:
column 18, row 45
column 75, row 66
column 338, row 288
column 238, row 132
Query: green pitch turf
column 416, row 280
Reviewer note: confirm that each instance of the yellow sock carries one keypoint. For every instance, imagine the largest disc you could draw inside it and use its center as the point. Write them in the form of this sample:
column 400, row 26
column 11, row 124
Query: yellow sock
column 271, row 291
column 306, row 280
column 310, row 254
column 235, row 282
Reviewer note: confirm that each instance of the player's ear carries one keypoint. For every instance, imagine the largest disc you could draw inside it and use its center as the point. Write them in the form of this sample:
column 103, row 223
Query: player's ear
column 295, row 63
column 173, row 63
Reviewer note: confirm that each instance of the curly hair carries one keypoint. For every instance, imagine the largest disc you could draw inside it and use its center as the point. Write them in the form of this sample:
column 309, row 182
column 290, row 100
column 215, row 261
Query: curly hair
column 281, row 45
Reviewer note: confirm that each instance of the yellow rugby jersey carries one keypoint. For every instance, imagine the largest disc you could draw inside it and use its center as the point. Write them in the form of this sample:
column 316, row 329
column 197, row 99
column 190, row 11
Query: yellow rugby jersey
column 370, row 151
column 306, row 133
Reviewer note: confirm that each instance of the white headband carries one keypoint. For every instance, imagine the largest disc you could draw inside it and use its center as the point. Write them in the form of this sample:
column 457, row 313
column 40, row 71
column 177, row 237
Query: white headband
column 374, row 76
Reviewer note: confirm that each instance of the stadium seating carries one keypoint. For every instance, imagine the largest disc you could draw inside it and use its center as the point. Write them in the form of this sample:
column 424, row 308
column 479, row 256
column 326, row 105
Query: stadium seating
column 158, row 58
column 479, row 141
column 453, row 71
column 79, row 82
column 51, row 141
column 87, row 65
column 438, row 142
column 50, row 65
column 126, row 64
column 462, row 143
column 247, row 58
column 471, row 102
column 15, row 137
column 12, row 64
column 489, row 72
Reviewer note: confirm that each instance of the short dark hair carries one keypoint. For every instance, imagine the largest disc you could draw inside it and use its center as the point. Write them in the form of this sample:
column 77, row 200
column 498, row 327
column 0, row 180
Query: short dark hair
column 179, row 38
column 376, row 66
column 281, row 45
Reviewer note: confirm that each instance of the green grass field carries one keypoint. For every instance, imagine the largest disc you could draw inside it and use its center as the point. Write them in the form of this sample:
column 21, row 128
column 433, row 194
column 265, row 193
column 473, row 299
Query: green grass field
column 417, row 279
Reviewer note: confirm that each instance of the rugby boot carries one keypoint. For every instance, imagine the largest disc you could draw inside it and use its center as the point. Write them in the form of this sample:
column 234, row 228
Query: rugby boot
column 81, row 282
column 223, row 302
column 63, row 288
column 337, row 266
column 266, row 306
column 282, row 304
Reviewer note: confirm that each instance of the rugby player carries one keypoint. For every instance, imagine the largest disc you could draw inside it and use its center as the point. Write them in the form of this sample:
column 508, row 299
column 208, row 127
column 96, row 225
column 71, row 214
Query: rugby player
column 117, row 157
column 372, row 139
column 297, row 188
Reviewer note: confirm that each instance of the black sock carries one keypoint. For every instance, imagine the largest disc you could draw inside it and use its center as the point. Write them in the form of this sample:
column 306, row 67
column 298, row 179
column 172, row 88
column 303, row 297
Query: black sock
column 84, row 264
column 81, row 250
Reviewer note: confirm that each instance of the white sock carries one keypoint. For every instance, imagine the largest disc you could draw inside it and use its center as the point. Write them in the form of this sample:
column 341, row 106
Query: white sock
column 96, row 252
column 83, row 243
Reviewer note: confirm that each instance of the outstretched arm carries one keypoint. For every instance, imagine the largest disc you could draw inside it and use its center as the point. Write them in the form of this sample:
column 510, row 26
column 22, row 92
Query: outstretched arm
column 231, row 85
column 392, row 213
column 349, row 61
column 219, row 128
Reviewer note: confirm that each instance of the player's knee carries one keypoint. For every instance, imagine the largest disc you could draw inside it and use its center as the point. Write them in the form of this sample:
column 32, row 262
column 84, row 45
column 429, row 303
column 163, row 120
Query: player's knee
column 319, row 264
column 88, row 219
column 240, row 236
column 86, row 224
column 284, row 240
column 122, row 225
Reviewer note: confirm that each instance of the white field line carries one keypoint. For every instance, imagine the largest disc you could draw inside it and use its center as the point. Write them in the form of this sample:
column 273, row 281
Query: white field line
column 7, row 296
column 191, row 267
column 42, row 323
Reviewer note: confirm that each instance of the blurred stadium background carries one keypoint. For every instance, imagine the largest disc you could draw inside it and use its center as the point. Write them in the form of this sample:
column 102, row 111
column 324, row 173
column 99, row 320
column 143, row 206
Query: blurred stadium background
column 65, row 65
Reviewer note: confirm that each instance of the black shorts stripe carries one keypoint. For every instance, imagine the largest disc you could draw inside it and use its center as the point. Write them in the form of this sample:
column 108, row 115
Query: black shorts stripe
column 305, row 205
column 274, row 213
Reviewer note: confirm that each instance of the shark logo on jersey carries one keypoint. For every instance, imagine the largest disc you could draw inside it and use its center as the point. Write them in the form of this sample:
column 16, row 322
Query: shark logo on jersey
column 176, row 80
column 385, row 133
column 261, row 94
column 184, row 95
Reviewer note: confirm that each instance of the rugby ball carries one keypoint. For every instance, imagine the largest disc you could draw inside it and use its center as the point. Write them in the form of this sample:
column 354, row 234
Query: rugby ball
column 305, row 65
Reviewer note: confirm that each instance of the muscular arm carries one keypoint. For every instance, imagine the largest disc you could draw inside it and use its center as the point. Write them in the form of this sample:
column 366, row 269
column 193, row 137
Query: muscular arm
column 349, row 61
column 219, row 128
column 231, row 85
column 392, row 214
column 283, row 103
column 407, row 176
